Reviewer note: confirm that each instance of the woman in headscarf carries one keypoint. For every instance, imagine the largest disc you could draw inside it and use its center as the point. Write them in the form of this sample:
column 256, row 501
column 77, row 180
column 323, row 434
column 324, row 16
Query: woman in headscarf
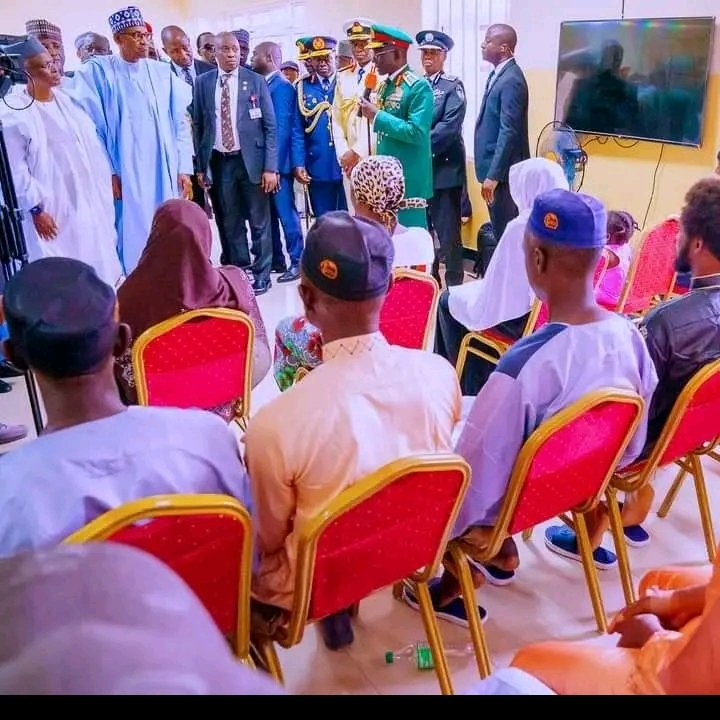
column 502, row 298
column 378, row 189
column 175, row 275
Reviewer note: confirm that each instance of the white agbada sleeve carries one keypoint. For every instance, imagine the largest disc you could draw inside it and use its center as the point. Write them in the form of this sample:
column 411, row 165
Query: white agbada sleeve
column 19, row 139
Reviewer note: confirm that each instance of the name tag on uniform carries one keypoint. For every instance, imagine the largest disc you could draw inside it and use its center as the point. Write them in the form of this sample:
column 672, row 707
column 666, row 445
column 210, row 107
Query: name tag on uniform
column 255, row 113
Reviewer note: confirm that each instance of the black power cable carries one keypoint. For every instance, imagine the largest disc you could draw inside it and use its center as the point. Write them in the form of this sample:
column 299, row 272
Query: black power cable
column 654, row 184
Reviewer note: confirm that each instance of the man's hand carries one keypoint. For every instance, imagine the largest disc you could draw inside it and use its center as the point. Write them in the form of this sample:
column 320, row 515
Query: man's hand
column 45, row 226
column 301, row 175
column 488, row 190
column 637, row 630
column 185, row 187
column 368, row 110
column 270, row 182
column 203, row 181
column 348, row 161
column 116, row 187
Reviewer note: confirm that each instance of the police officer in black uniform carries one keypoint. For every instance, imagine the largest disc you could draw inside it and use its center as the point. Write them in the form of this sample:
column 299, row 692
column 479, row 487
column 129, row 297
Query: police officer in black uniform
column 448, row 150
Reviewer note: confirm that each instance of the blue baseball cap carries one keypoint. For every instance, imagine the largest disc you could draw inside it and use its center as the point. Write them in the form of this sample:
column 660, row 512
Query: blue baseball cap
column 573, row 220
column 349, row 258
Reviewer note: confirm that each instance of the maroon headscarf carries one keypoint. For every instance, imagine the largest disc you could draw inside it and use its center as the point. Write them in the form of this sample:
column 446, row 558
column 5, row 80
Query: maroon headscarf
column 175, row 274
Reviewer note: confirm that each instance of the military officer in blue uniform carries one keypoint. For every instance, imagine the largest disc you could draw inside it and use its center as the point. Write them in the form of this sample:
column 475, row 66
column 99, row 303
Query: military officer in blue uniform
column 448, row 151
column 315, row 99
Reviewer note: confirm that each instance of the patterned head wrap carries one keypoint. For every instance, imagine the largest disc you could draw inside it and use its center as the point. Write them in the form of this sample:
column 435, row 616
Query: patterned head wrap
column 378, row 182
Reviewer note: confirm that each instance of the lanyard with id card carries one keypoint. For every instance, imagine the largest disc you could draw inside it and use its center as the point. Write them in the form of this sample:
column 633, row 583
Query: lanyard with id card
column 255, row 111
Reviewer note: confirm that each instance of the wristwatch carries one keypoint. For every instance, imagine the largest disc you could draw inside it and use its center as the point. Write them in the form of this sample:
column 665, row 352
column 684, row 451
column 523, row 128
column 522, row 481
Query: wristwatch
column 36, row 210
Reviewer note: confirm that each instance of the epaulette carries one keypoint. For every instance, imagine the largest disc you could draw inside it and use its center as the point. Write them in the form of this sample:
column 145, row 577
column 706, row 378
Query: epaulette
column 411, row 77
column 451, row 78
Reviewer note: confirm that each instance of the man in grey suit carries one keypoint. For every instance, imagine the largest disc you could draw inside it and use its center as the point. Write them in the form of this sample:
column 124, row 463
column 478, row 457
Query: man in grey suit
column 237, row 157
column 501, row 132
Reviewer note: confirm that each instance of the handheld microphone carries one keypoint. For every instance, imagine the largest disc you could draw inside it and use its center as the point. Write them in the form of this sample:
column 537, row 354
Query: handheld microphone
column 370, row 85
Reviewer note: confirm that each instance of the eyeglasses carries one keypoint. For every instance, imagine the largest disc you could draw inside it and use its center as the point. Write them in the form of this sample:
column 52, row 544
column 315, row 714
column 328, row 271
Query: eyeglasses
column 137, row 36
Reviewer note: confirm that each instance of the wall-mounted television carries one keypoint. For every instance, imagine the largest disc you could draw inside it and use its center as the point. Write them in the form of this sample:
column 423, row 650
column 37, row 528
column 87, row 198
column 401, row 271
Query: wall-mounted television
column 641, row 79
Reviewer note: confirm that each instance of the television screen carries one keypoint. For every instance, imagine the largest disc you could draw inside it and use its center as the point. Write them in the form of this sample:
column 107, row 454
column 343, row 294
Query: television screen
column 641, row 79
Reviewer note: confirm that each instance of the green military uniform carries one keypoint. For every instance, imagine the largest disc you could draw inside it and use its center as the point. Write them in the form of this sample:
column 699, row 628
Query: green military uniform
column 406, row 104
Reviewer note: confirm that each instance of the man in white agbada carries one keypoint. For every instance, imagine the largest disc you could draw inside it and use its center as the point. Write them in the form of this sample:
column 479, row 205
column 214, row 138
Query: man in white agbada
column 504, row 296
column 60, row 168
column 140, row 110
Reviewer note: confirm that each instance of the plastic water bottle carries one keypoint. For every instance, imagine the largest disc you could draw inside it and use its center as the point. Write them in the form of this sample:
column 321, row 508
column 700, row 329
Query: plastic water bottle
column 420, row 654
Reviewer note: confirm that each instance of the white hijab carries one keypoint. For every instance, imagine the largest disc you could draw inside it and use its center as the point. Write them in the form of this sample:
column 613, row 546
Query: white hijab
column 505, row 293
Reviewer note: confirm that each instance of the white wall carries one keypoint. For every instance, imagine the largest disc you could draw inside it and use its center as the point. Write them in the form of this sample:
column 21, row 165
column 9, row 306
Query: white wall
column 77, row 16
column 537, row 48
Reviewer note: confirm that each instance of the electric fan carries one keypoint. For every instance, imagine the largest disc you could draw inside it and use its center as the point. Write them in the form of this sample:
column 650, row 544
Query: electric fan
column 559, row 143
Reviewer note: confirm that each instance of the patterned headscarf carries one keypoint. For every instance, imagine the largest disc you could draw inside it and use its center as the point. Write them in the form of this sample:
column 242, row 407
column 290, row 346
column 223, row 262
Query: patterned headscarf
column 378, row 182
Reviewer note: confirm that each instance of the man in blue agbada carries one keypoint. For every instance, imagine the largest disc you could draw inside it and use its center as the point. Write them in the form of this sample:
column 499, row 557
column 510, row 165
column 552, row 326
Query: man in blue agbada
column 140, row 111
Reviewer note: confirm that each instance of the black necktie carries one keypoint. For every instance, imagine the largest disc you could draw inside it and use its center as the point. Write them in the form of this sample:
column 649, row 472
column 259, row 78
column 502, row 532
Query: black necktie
column 361, row 74
column 489, row 82
column 188, row 76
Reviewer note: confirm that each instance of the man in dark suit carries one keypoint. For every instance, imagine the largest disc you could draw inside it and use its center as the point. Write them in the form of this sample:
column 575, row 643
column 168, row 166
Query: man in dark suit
column 236, row 141
column 501, row 133
column 267, row 61
column 176, row 44
column 448, row 150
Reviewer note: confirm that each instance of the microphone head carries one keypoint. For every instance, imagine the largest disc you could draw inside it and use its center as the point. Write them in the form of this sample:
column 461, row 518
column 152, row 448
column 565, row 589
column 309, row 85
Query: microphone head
column 371, row 80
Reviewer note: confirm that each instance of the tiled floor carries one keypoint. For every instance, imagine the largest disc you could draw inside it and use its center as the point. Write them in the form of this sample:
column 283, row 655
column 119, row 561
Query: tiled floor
column 548, row 599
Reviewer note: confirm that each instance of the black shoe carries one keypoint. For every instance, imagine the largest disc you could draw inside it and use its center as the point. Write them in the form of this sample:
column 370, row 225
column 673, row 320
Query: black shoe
column 4, row 387
column 337, row 631
column 291, row 275
column 260, row 287
column 8, row 370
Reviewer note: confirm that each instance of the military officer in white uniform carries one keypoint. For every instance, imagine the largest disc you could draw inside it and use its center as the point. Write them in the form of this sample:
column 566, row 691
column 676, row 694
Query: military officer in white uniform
column 353, row 136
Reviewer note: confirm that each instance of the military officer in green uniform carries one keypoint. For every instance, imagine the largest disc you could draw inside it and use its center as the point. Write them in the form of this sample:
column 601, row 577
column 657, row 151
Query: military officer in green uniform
column 403, row 117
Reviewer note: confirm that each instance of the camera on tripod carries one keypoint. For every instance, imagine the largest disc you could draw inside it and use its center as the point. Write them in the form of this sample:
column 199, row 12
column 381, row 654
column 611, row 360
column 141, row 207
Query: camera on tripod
column 11, row 71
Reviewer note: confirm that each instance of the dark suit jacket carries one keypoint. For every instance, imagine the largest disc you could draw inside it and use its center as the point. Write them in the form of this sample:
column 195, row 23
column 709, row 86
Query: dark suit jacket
column 501, row 132
column 258, row 138
column 291, row 136
column 201, row 67
column 448, row 146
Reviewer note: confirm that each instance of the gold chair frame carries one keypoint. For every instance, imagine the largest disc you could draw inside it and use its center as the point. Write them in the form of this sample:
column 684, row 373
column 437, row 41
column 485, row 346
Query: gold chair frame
column 310, row 533
column 517, row 482
column 109, row 523
column 691, row 464
column 497, row 346
column 407, row 273
column 241, row 410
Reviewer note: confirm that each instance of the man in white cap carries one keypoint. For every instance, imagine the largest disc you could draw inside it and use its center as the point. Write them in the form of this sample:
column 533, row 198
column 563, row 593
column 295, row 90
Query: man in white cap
column 140, row 112
column 352, row 133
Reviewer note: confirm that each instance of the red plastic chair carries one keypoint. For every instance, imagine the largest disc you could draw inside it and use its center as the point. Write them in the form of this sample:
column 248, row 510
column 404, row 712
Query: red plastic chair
column 494, row 344
column 652, row 273
column 564, row 467
column 389, row 527
column 199, row 359
column 691, row 431
column 408, row 316
column 206, row 539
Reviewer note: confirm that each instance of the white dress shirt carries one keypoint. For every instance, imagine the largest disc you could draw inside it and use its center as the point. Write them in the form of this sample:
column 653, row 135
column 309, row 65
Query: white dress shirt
column 233, row 84
column 180, row 72
column 498, row 69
